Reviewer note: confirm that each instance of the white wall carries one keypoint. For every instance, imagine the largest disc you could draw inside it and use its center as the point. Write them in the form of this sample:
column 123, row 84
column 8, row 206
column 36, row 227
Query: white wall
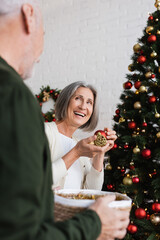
column 90, row 40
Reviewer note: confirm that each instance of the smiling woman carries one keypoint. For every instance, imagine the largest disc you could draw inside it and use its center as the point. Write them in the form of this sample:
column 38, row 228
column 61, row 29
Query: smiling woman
column 76, row 164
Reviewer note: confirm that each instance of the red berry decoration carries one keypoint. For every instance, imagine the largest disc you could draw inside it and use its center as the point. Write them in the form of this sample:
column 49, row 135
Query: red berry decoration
column 146, row 153
column 141, row 59
column 101, row 139
column 132, row 125
column 127, row 85
column 135, row 180
column 156, row 207
column 152, row 99
column 137, row 84
column 144, row 124
column 132, row 228
column 117, row 111
column 150, row 18
column 140, row 213
column 152, row 38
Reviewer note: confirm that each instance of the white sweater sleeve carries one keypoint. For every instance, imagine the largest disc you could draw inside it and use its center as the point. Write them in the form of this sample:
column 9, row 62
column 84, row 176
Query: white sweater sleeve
column 59, row 169
column 93, row 179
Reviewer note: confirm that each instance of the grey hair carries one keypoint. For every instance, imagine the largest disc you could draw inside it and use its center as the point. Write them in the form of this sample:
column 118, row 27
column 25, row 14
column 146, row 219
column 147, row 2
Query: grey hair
column 61, row 105
column 11, row 6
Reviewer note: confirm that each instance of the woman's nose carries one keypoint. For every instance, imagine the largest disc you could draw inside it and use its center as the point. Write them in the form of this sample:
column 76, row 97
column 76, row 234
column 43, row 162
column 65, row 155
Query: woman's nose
column 82, row 105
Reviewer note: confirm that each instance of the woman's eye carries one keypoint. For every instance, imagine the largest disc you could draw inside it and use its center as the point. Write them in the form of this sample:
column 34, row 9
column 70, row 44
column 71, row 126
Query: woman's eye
column 89, row 103
column 76, row 98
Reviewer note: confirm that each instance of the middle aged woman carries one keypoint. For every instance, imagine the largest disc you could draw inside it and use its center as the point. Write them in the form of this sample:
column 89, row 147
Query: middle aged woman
column 76, row 164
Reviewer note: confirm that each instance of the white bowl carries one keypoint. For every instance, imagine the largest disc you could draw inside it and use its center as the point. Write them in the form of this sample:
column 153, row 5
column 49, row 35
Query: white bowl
column 125, row 203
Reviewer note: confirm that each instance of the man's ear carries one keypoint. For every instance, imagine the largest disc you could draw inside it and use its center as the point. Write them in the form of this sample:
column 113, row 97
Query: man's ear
column 28, row 14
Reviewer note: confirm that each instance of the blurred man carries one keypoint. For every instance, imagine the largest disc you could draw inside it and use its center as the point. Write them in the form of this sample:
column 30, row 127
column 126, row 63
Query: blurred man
column 26, row 198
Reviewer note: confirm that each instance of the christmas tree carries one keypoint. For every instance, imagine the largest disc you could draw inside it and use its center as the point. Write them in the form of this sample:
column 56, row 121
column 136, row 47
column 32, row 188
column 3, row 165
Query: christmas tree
column 133, row 165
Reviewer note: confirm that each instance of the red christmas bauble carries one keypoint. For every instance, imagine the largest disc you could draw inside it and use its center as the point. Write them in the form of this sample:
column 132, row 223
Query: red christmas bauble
column 123, row 170
column 127, row 85
column 152, row 38
column 150, row 18
column 132, row 228
column 116, row 118
column 101, row 132
column 148, row 216
column 144, row 124
column 132, row 167
column 110, row 186
column 152, row 99
column 135, row 180
column 153, row 76
column 146, row 153
column 132, row 125
column 117, row 111
column 140, row 213
column 126, row 146
column 156, row 207
column 137, row 84
column 141, row 59
column 115, row 146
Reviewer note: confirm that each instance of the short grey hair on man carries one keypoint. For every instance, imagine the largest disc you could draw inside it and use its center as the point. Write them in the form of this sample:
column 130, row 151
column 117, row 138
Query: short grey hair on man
column 10, row 6
column 62, row 102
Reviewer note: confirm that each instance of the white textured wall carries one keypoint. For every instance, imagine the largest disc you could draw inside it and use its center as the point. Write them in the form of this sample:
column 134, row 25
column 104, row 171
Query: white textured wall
column 90, row 40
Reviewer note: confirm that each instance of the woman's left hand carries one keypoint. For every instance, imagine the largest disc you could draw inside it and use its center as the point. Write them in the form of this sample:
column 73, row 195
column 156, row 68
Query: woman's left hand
column 99, row 157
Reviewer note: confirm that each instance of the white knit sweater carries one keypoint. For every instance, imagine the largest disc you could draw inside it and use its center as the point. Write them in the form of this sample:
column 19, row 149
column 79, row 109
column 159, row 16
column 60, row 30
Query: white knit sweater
column 91, row 178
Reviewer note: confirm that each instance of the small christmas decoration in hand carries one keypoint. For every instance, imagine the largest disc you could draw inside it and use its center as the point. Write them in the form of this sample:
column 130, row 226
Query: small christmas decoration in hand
column 101, row 139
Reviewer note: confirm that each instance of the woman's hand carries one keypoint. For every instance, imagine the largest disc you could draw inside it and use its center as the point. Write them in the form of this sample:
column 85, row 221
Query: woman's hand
column 111, row 137
column 99, row 157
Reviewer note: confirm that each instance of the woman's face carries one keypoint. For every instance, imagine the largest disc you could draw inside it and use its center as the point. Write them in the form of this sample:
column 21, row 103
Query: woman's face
column 80, row 107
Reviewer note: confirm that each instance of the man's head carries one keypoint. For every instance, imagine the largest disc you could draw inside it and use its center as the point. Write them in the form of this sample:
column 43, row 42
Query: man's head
column 21, row 34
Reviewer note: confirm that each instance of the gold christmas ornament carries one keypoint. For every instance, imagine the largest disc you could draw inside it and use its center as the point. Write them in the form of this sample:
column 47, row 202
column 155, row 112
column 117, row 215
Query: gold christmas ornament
column 159, row 69
column 157, row 4
column 136, row 48
column 142, row 89
column 158, row 135
column 100, row 140
column 143, row 130
column 148, row 74
column 155, row 218
column 136, row 92
column 53, row 115
column 136, row 150
column 127, row 181
column 149, row 29
column 108, row 167
column 121, row 120
column 44, row 99
column 157, row 115
column 46, row 96
column 153, row 54
column 137, row 105
column 156, row 20
column 131, row 68
column 158, row 32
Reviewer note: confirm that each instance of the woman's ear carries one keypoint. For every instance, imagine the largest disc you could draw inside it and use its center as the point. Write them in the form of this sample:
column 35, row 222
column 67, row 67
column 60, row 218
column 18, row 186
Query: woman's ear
column 28, row 14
